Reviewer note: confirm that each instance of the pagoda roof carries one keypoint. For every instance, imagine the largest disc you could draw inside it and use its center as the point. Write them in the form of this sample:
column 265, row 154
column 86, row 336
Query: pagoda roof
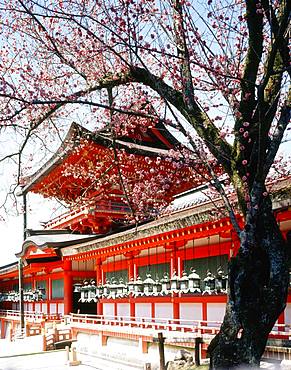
column 52, row 239
column 157, row 141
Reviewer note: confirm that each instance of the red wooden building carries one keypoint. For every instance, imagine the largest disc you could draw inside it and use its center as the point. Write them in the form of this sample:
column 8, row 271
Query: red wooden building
column 138, row 271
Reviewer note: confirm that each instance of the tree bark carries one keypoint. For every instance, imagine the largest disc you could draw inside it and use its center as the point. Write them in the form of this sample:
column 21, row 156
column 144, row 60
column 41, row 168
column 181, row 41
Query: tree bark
column 258, row 288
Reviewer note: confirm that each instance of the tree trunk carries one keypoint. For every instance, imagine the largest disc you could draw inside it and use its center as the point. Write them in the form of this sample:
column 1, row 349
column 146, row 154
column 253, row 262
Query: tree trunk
column 258, row 287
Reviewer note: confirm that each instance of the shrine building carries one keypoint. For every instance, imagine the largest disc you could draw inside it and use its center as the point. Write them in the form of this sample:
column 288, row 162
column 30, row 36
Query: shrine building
column 92, row 260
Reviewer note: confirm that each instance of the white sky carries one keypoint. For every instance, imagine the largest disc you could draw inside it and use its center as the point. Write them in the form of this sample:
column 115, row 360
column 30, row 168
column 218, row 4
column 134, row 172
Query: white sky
column 11, row 230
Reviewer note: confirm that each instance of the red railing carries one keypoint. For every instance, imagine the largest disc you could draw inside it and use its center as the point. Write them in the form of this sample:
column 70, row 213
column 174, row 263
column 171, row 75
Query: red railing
column 88, row 209
column 30, row 315
column 200, row 327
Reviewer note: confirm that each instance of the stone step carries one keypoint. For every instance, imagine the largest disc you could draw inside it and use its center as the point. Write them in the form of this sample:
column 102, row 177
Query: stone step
column 112, row 363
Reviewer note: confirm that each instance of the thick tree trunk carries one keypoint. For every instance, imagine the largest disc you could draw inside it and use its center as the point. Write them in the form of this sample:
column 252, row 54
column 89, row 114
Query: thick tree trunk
column 258, row 287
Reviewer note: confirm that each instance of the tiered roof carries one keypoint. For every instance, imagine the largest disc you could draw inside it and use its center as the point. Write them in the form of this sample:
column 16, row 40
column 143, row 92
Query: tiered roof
column 86, row 172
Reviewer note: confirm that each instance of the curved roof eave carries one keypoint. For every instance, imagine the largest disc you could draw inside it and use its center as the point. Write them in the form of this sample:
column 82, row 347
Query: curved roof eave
column 77, row 131
column 54, row 241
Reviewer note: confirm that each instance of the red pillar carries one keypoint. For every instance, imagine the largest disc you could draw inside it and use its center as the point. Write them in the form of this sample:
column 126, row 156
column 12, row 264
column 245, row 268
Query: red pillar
column 68, row 287
column 176, row 312
column 132, row 308
column 153, row 311
column 99, row 279
column 33, row 285
column 131, row 274
column 173, row 263
column 204, row 311
column 115, row 309
column 49, row 294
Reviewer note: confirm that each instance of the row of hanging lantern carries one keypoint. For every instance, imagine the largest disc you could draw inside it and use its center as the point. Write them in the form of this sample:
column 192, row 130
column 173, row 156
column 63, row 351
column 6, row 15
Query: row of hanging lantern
column 28, row 295
column 187, row 284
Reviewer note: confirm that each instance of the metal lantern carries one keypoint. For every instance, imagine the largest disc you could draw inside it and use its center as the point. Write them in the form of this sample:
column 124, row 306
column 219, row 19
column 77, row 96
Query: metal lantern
column 39, row 293
column 84, row 292
column 157, row 287
column 209, row 282
column 166, row 284
column 221, row 281
column 77, row 287
column 121, row 289
column 130, row 286
column 92, row 291
column 138, row 287
column 31, row 296
column 106, row 289
column 174, row 282
column 148, row 285
column 17, row 297
column 194, row 281
column 99, row 290
column 184, row 283
column 25, row 295
column 113, row 288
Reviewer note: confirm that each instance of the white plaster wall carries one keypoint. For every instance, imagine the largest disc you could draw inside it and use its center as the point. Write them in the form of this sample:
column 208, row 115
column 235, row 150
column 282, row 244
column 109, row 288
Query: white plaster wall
column 123, row 309
column 53, row 308
column 37, row 307
column 143, row 310
column 288, row 314
column 190, row 311
column 163, row 311
column 61, row 308
column 108, row 309
column 30, row 307
column 215, row 312
column 44, row 307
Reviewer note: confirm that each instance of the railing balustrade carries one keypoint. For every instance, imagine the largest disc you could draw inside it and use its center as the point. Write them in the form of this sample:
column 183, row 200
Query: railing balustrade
column 201, row 327
column 30, row 315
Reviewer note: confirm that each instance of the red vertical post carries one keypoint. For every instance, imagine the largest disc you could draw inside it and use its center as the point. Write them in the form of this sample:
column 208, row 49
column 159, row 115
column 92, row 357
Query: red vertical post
column 173, row 265
column 153, row 311
column 33, row 285
column 204, row 311
column 132, row 308
column 49, row 294
column 176, row 312
column 68, row 287
column 99, row 280
column 130, row 269
column 115, row 309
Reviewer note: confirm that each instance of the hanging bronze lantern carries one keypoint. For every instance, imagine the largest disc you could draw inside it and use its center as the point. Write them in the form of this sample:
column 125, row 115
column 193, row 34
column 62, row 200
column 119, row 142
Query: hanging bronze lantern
column 157, row 287
column 209, row 283
column 184, row 283
column 121, row 289
column 166, row 284
column 148, row 285
column 77, row 287
column 130, row 286
column 194, row 281
column 174, row 282
column 221, row 281
column 138, row 287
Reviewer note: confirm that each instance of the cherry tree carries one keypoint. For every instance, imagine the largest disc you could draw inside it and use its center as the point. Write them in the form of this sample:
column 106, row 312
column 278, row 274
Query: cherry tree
column 216, row 72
